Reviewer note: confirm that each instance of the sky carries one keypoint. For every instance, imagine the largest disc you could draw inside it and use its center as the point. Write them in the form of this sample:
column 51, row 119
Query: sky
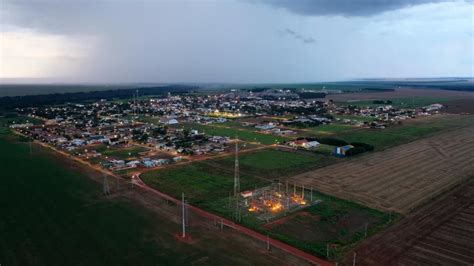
column 234, row 41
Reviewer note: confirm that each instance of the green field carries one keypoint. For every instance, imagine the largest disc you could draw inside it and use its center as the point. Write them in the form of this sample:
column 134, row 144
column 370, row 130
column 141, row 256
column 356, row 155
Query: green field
column 241, row 133
column 275, row 164
column 202, row 185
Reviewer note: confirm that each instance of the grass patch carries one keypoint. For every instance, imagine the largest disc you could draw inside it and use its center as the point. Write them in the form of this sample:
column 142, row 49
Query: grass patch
column 201, row 184
column 329, row 129
column 123, row 153
column 274, row 164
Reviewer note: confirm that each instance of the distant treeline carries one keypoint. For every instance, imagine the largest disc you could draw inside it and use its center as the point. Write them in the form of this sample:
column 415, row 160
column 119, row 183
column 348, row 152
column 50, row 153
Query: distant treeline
column 60, row 98
column 377, row 89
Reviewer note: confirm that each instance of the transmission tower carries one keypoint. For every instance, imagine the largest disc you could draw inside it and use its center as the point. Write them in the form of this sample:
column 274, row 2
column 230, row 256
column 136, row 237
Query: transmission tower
column 236, row 183
column 106, row 186
column 236, row 171
column 183, row 214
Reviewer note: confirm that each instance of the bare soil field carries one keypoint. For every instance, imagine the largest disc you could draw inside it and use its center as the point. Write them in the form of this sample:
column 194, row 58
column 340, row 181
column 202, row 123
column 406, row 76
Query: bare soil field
column 440, row 233
column 464, row 106
column 400, row 178
column 401, row 93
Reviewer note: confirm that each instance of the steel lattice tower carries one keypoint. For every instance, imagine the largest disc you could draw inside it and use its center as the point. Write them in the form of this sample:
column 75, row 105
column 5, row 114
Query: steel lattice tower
column 236, row 171
column 106, row 186
column 236, row 183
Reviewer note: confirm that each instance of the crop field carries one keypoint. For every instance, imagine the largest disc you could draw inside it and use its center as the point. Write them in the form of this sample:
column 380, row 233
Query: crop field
column 440, row 233
column 274, row 164
column 400, row 178
column 53, row 213
column 232, row 132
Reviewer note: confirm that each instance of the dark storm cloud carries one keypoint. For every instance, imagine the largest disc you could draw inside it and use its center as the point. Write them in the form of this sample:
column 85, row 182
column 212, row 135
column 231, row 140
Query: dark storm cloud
column 298, row 36
column 345, row 7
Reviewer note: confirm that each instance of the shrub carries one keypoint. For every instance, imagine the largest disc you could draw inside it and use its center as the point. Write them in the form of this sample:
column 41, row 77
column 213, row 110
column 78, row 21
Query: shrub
column 332, row 141
column 366, row 146
column 355, row 151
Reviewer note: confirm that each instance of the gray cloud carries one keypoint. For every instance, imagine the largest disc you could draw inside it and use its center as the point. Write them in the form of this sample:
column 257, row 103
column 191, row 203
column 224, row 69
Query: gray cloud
column 345, row 7
column 298, row 36
column 237, row 41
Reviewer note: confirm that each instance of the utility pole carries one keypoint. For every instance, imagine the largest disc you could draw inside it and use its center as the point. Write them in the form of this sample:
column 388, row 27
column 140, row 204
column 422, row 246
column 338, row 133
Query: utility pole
column 268, row 243
column 31, row 149
column 183, row 213
column 354, row 259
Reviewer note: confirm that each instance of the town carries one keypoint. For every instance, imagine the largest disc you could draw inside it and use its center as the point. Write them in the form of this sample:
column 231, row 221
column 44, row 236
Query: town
column 152, row 132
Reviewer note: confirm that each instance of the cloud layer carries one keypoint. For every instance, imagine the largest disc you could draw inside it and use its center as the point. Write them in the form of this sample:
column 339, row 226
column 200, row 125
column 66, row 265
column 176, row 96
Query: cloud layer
column 345, row 7
column 234, row 40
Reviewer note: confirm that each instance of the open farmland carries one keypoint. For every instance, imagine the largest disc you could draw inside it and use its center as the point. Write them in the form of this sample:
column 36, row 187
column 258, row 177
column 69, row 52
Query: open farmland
column 440, row 233
column 400, row 178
